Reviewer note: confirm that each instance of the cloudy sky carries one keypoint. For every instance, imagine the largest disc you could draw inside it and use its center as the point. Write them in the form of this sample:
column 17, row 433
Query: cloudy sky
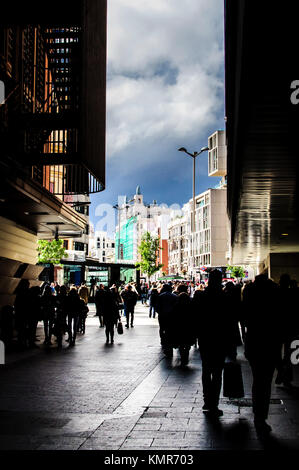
column 165, row 90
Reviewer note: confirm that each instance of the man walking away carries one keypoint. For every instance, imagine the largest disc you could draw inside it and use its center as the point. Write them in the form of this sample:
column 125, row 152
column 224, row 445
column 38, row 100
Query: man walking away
column 166, row 304
column 99, row 301
column 130, row 299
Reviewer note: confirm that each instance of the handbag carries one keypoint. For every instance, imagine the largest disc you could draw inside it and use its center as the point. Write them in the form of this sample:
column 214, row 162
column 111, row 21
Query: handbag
column 120, row 306
column 120, row 329
column 232, row 380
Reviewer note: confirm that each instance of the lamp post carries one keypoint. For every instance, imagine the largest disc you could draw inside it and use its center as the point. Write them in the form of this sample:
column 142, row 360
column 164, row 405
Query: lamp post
column 193, row 155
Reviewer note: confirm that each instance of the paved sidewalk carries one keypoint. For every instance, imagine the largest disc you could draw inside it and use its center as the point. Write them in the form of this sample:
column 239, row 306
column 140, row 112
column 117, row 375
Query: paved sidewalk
column 127, row 396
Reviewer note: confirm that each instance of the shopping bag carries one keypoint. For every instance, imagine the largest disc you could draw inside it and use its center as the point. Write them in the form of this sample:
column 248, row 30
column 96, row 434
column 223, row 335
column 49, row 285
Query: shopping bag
column 232, row 380
column 120, row 329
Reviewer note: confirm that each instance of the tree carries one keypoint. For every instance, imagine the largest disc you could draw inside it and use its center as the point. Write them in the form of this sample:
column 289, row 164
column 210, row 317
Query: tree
column 149, row 249
column 51, row 251
column 236, row 271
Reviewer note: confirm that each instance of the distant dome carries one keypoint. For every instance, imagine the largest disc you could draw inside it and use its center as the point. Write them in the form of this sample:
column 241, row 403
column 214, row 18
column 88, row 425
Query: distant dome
column 138, row 191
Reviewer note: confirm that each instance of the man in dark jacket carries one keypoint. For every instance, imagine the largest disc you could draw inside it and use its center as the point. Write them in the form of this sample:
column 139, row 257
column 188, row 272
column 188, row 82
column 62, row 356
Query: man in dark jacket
column 130, row 299
column 99, row 301
column 166, row 304
column 266, row 326
column 215, row 335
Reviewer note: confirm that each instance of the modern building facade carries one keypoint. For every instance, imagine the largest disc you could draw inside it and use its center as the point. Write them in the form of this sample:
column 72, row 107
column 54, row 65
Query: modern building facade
column 52, row 127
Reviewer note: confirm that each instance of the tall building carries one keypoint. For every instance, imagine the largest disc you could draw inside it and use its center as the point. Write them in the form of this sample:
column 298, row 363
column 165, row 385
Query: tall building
column 192, row 252
column 178, row 243
column 52, row 127
column 135, row 217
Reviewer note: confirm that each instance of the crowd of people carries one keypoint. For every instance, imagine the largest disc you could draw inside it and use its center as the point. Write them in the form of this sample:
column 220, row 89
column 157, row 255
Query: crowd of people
column 216, row 318
column 61, row 309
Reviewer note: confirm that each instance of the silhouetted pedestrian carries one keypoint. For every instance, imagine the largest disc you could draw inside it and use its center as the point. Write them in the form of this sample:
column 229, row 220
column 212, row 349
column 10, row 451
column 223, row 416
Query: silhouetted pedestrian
column 48, row 313
column 74, row 308
column 215, row 337
column 263, row 343
column 99, row 299
column 288, row 305
column 153, row 301
column 82, row 316
column 130, row 299
column 181, row 329
column 165, row 307
column 110, row 315
column 61, row 314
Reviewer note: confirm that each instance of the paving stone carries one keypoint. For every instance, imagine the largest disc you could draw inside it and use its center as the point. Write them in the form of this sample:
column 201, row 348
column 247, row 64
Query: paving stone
column 147, row 426
column 135, row 443
column 136, row 433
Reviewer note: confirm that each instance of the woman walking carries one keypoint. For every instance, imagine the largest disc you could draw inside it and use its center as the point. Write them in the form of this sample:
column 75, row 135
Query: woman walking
column 153, row 299
column 110, row 315
column 73, row 308
column 48, row 313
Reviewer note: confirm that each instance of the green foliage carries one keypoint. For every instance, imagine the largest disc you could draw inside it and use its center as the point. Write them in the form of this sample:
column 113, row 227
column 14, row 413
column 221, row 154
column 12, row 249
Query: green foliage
column 149, row 249
column 51, row 251
column 236, row 271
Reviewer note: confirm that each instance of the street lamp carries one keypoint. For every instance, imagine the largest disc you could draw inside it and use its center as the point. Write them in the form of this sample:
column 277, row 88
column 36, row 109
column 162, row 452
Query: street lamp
column 193, row 155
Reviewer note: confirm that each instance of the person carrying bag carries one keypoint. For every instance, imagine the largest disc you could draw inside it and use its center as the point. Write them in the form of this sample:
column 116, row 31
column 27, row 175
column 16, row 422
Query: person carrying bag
column 120, row 329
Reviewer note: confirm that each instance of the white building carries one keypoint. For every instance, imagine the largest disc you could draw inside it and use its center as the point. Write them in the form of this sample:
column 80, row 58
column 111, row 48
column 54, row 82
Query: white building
column 135, row 217
column 103, row 247
column 178, row 244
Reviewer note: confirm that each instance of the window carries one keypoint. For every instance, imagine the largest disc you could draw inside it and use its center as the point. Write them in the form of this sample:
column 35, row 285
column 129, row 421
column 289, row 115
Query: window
column 79, row 246
column 66, row 244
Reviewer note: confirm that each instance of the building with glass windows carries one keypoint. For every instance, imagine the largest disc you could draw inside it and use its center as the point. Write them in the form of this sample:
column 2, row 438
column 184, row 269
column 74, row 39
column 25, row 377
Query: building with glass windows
column 52, row 128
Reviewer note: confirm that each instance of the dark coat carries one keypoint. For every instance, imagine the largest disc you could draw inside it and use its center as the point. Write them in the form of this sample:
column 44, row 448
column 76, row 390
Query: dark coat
column 110, row 309
column 130, row 298
column 181, row 330
column 99, row 300
column 154, row 296
column 214, row 322
column 165, row 306
column 265, row 323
